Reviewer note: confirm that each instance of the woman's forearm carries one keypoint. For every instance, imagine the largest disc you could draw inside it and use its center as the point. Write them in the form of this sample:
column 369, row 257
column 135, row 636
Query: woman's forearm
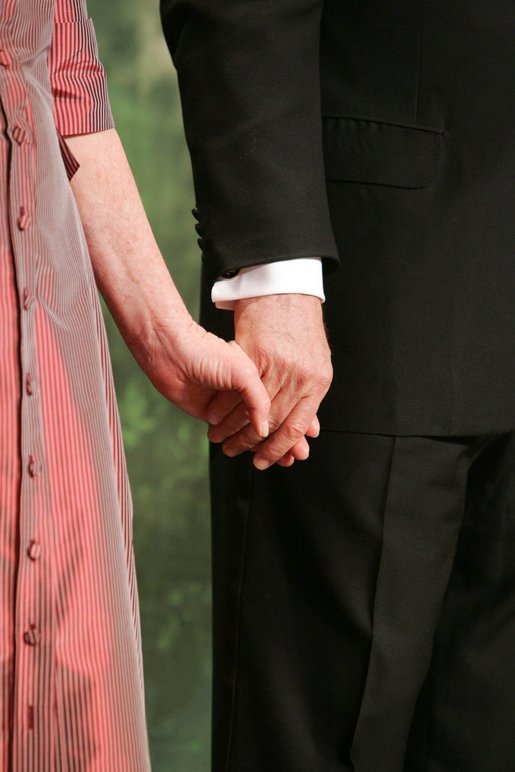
column 129, row 269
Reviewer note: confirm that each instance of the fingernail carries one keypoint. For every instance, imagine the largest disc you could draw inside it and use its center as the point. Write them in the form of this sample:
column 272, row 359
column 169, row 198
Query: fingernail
column 231, row 453
column 261, row 464
column 265, row 429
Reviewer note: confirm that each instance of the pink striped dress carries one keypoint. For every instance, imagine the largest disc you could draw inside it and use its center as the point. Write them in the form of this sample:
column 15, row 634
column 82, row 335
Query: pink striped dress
column 70, row 652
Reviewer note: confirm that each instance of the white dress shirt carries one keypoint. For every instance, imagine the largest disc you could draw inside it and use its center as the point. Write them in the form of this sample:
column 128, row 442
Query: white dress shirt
column 301, row 276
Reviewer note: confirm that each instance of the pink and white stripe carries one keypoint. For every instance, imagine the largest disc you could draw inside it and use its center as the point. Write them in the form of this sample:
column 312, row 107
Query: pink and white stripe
column 70, row 651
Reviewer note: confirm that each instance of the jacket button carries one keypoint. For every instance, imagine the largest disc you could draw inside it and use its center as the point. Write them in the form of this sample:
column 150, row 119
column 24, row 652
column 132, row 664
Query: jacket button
column 230, row 274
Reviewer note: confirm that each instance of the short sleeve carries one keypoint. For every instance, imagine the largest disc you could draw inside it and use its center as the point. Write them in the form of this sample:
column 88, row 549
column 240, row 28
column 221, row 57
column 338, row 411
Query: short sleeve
column 77, row 77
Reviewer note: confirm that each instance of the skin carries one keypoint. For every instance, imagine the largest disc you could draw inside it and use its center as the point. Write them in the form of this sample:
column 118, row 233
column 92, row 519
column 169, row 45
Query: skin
column 285, row 336
column 279, row 338
column 188, row 365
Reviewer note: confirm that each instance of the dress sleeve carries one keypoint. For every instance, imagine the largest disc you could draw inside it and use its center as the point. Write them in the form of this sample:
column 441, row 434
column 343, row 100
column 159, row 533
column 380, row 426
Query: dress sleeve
column 77, row 77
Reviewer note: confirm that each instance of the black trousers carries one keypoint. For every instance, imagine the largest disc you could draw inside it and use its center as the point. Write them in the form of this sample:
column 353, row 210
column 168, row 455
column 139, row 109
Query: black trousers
column 364, row 608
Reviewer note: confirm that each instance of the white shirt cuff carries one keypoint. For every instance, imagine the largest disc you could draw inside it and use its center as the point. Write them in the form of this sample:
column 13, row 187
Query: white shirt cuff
column 302, row 276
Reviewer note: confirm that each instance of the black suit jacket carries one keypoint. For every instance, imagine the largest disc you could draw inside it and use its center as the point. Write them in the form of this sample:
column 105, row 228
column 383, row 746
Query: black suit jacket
column 382, row 132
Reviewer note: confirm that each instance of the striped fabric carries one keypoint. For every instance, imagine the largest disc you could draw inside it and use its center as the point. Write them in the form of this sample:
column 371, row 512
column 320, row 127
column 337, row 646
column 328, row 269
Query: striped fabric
column 70, row 653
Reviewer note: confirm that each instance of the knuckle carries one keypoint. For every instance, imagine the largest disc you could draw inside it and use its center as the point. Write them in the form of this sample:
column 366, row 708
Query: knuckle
column 271, row 454
column 293, row 431
column 325, row 377
column 248, row 372
column 249, row 439
column 305, row 374
column 239, row 442
column 274, row 425
column 243, row 445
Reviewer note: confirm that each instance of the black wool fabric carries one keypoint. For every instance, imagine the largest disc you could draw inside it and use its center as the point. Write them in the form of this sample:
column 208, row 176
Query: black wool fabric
column 379, row 133
column 363, row 608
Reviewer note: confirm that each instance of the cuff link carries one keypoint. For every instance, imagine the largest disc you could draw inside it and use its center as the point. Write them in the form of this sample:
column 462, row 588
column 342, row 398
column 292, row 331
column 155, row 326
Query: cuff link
column 230, row 274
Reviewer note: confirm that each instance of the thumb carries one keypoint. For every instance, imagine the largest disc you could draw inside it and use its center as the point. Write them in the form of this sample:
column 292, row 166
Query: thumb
column 247, row 382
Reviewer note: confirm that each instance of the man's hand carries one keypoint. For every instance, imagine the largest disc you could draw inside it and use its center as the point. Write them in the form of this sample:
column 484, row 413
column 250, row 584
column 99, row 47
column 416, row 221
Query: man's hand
column 284, row 335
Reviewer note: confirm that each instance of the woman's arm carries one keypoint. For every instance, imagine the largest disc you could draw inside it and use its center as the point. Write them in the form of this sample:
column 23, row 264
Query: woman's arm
column 187, row 364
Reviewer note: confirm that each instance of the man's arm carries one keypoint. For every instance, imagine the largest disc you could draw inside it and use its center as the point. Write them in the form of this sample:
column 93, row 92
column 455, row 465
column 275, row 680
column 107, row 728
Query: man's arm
column 249, row 80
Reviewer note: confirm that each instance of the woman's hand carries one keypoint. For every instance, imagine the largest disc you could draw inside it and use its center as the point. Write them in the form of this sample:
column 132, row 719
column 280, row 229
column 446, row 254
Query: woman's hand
column 191, row 367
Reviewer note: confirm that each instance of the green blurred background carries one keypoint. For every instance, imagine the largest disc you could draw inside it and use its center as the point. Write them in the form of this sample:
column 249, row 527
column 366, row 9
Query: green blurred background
column 166, row 451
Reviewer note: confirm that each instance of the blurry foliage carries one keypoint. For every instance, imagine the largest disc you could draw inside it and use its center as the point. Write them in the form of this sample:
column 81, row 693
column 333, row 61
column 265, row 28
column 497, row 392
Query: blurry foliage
column 166, row 451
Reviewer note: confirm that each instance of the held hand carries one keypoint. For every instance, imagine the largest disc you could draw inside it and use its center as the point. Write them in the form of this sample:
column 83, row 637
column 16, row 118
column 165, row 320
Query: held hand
column 191, row 367
column 285, row 336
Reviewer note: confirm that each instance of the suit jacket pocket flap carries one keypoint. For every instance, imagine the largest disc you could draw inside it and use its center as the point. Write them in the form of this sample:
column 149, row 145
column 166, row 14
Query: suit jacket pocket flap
column 358, row 150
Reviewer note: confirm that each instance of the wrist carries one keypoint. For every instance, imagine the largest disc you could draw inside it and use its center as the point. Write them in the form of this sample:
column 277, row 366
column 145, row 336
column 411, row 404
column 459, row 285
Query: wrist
column 286, row 302
column 156, row 331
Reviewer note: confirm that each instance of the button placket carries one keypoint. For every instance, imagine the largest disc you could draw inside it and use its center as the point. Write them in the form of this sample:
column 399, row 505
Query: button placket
column 33, row 615
column 29, row 612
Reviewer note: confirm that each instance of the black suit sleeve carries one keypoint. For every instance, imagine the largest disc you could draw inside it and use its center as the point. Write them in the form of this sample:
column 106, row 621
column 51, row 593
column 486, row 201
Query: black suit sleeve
column 249, row 82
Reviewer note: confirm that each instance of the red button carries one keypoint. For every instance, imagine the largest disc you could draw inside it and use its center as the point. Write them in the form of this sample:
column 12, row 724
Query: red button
column 27, row 298
column 32, row 636
column 33, row 470
column 21, row 136
column 5, row 59
column 23, row 219
column 28, row 385
column 34, row 550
